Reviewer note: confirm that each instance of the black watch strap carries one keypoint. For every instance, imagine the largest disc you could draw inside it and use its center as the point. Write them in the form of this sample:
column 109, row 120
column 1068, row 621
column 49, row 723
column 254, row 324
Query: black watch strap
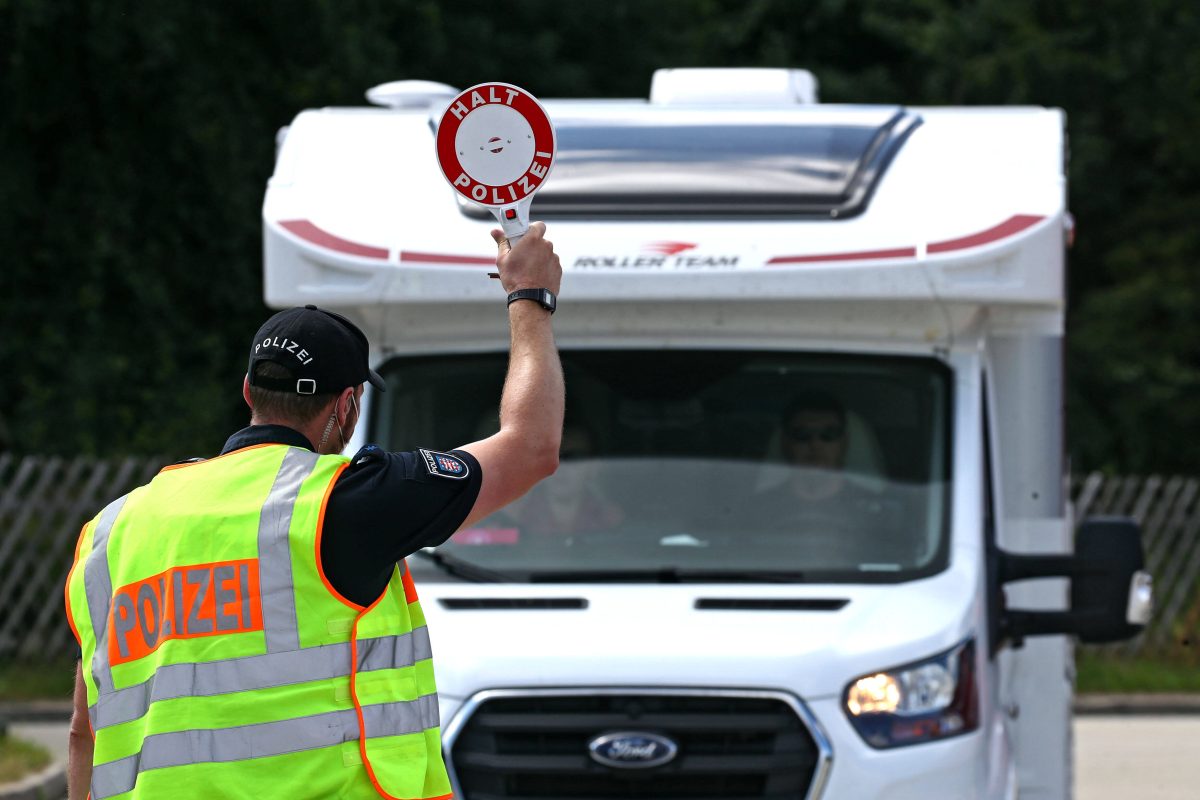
column 543, row 297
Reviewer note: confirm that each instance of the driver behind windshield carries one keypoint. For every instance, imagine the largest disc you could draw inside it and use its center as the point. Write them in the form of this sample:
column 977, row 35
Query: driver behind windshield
column 818, row 490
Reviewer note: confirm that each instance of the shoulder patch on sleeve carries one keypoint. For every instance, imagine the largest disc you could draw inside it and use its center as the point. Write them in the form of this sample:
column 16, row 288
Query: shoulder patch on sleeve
column 444, row 465
column 371, row 452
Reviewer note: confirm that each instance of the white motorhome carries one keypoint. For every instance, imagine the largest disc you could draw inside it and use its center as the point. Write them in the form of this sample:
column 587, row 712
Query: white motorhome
column 815, row 406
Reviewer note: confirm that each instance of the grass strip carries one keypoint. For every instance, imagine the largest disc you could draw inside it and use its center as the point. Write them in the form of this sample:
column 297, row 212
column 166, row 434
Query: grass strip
column 1105, row 674
column 34, row 681
column 20, row 758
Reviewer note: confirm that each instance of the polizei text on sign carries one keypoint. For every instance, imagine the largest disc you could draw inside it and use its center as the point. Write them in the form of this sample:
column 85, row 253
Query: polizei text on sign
column 495, row 144
column 500, row 195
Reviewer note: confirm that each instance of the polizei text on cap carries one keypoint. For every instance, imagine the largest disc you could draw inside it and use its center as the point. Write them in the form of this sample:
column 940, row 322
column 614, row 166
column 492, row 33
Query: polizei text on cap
column 285, row 344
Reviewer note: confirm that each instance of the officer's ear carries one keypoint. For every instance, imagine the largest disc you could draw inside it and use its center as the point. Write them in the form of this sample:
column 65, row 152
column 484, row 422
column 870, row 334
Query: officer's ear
column 246, row 391
column 344, row 401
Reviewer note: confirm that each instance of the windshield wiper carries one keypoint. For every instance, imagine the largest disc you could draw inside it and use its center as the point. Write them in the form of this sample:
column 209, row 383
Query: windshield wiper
column 667, row 575
column 464, row 569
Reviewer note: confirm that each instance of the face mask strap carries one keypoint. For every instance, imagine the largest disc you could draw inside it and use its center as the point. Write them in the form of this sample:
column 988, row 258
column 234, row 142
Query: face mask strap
column 333, row 421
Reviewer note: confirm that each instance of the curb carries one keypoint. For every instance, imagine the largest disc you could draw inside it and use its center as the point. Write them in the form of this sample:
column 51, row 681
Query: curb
column 36, row 711
column 49, row 784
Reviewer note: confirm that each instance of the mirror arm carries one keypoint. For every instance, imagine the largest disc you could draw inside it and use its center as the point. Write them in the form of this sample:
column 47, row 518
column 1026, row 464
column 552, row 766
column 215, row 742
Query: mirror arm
column 1014, row 567
column 1016, row 624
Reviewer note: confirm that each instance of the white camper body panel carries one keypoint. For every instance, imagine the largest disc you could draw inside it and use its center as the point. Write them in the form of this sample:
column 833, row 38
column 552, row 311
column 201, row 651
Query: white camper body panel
column 959, row 254
column 402, row 241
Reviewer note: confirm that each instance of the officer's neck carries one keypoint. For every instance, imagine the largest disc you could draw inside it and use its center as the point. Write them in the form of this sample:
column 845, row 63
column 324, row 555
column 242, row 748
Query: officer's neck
column 311, row 432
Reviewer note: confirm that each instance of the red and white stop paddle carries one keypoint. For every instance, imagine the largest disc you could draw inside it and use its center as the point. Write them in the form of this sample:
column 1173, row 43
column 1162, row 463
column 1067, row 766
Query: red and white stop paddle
column 495, row 144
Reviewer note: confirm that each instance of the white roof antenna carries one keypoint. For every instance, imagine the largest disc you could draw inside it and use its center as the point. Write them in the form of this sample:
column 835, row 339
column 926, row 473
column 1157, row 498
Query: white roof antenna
column 411, row 94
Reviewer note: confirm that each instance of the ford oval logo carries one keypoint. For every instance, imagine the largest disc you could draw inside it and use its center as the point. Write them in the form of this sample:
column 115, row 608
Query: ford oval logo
column 632, row 749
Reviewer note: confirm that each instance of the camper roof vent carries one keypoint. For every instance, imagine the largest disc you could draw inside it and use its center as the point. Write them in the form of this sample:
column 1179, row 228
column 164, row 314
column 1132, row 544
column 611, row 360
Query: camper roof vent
column 741, row 86
column 411, row 94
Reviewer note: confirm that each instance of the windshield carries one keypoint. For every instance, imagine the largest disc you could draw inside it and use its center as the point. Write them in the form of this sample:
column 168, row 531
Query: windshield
column 686, row 465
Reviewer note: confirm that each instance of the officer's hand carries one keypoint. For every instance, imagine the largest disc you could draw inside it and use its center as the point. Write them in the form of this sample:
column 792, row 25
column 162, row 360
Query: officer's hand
column 532, row 264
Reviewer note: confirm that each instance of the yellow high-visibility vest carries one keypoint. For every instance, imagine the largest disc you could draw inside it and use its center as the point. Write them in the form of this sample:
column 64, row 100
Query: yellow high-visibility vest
column 219, row 660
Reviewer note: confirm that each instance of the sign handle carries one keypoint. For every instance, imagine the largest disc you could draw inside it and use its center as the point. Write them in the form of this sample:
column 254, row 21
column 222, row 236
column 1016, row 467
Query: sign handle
column 514, row 220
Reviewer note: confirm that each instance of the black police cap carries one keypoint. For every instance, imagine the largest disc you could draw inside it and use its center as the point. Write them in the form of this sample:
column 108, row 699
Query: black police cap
column 323, row 351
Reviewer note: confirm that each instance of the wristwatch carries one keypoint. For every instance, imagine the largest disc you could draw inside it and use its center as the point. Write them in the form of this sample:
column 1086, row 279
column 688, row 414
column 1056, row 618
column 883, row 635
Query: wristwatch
column 543, row 297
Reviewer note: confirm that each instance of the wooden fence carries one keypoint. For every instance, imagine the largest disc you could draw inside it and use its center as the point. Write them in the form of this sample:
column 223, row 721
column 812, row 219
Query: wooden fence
column 45, row 500
column 1168, row 510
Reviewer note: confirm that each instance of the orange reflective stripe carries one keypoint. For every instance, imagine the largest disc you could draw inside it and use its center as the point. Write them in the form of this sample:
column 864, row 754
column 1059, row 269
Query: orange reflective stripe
column 363, row 733
column 184, row 603
column 410, row 588
column 67, row 586
column 320, row 530
column 170, row 467
column 362, row 728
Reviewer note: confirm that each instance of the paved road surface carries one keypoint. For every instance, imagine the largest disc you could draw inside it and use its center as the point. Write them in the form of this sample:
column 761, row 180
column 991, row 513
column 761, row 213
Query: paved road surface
column 1134, row 757
column 1117, row 757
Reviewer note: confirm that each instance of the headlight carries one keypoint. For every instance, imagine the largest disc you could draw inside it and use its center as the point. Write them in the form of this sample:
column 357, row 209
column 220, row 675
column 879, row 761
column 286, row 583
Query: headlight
column 931, row 699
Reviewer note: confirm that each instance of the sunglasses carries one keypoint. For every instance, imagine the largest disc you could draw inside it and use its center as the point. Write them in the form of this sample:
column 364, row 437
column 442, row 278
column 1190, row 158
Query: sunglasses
column 826, row 435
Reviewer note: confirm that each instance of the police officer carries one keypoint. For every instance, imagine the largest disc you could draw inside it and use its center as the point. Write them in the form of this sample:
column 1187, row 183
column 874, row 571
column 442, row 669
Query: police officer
column 247, row 624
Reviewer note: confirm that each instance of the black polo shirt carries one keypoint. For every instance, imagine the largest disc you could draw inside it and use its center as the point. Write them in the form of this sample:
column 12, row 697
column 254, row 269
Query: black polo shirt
column 383, row 507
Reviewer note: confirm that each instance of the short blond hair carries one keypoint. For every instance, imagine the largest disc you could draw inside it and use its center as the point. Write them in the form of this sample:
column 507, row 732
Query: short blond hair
column 298, row 409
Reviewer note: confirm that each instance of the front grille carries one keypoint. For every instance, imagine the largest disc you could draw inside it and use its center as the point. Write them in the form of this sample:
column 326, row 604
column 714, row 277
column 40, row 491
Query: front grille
column 735, row 746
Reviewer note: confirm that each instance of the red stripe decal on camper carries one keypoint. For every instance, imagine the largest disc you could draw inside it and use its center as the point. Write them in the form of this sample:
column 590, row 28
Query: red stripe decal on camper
column 1010, row 227
column 407, row 256
column 865, row 255
column 322, row 238
column 1013, row 225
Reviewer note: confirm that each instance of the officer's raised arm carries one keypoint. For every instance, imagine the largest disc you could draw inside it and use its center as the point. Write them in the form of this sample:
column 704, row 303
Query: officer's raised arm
column 525, row 450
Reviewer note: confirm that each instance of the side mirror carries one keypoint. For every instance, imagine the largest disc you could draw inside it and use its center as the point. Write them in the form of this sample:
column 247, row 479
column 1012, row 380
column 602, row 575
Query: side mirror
column 1111, row 595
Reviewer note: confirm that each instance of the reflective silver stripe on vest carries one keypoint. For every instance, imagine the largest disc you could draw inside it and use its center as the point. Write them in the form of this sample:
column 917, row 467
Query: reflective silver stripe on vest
column 262, row 739
column 394, row 651
column 274, row 551
column 97, row 584
column 248, row 673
